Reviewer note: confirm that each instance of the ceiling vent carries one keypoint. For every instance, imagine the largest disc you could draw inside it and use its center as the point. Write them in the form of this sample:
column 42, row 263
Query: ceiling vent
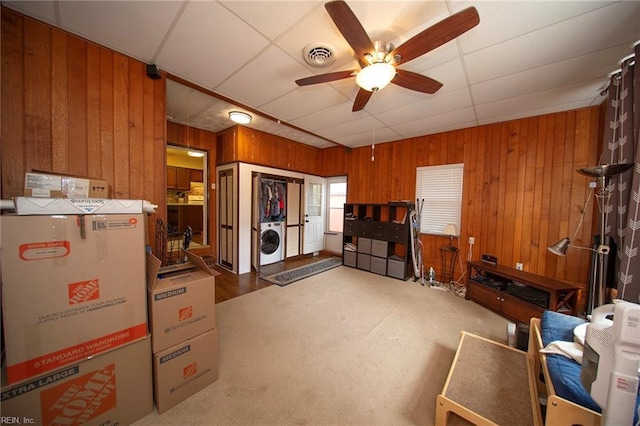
column 319, row 55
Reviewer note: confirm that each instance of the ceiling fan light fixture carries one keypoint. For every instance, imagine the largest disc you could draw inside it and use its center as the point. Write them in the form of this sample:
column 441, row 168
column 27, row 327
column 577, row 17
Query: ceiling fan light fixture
column 240, row 117
column 375, row 76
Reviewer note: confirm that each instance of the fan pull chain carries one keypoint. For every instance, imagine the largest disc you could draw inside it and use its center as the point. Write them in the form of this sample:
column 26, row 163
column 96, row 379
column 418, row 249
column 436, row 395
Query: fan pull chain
column 373, row 130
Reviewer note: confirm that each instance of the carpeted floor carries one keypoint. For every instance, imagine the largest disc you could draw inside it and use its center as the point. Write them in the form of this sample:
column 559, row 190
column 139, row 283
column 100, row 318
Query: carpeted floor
column 345, row 347
column 296, row 274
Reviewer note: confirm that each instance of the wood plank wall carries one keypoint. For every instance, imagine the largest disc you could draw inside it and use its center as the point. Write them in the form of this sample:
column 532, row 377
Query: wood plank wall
column 202, row 140
column 521, row 191
column 70, row 106
column 251, row 146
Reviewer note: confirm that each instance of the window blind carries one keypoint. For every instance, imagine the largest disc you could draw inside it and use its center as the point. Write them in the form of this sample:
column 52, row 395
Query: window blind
column 441, row 189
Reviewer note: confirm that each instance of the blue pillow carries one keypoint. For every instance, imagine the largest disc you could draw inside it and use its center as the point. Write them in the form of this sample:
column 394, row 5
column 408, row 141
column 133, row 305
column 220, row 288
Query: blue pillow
column 556, row 326
column 564, row 372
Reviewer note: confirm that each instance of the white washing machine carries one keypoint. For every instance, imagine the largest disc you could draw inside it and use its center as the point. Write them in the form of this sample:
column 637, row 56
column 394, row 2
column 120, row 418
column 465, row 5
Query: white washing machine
column 271, row 242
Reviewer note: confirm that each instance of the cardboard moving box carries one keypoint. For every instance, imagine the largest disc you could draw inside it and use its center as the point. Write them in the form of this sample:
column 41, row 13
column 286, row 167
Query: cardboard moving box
column 182, row 370
column 61, row 186
column 181, row 300
column 72, row 287
column 114, row 388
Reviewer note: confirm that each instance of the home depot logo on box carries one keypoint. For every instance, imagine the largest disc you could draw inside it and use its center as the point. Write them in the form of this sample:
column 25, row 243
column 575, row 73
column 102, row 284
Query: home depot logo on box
column 185, row 313
column 79, row 400
column 84, row 291
column 189, row 370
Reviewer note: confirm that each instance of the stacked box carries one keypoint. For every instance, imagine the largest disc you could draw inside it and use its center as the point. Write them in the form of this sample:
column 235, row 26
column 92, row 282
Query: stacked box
column 61, row 186
column 112, row 388
column 181, row 302
column 73, row 287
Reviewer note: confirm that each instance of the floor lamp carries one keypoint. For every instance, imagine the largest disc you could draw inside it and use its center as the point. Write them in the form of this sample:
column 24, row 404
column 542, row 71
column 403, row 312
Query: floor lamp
column 603, row 175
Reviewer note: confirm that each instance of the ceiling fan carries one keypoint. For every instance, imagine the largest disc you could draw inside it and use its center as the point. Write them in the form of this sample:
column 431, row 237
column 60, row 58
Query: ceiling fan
column 379, row 61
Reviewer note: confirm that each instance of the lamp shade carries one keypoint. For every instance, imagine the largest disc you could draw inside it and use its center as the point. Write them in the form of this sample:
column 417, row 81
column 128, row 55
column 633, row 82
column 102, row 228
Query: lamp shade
column 560, row 248
column 450, row 230
column 375, row 76
column 240, row 117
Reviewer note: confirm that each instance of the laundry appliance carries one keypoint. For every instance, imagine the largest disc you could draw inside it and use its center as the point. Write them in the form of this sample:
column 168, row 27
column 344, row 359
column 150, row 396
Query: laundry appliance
column 271, row 242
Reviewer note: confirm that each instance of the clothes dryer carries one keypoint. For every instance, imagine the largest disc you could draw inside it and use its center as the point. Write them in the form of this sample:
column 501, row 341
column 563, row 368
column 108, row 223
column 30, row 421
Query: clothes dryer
column 271, row 242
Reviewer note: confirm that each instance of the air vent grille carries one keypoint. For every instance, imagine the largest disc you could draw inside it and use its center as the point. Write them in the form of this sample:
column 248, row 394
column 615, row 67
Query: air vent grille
column 319, row 55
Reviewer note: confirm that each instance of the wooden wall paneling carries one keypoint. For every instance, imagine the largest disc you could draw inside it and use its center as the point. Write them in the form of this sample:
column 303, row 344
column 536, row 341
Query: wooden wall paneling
column 121, row 128
column 12, row 103
column 137, row 74
column 501, row 193
column 94, row 145
column 528, row 188
column 37, row 95
column 510, row 185
column 107, row 147
column 520, row 173
column 77, row 106
column 59, row 102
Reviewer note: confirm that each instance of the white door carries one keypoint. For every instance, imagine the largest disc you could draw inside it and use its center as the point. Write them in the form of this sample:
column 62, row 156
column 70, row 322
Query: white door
column 336, row 197
column 313, row 214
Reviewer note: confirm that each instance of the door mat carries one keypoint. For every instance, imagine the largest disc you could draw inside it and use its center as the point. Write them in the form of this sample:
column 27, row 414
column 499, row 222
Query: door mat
column 296, row 274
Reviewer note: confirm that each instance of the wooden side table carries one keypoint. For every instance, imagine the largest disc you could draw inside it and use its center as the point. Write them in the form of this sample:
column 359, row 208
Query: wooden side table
column 451, row 253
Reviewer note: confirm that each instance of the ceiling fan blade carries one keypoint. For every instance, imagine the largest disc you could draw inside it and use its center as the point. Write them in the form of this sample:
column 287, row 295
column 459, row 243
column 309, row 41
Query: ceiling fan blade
column 362, row 98
column 325, row 78
column 418, row 82
column 350, row 27
column 436, row 35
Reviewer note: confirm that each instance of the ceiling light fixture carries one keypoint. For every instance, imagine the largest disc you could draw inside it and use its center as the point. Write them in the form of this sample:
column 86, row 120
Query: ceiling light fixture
column 240, row 117
column 195, row 154
column 375, row 76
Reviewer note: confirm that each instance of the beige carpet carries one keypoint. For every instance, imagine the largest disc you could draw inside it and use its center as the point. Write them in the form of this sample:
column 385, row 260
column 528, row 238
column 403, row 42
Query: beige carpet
column 344, row 347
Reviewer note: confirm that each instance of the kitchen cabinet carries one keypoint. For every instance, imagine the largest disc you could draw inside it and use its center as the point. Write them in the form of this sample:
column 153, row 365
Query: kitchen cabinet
column 195, row 175
column 182, row 215
column 181, row 177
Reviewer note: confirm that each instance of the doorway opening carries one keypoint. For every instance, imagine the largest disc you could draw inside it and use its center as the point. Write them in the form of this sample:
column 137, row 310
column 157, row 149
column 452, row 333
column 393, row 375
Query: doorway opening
column 187, row 197
column 336, row 197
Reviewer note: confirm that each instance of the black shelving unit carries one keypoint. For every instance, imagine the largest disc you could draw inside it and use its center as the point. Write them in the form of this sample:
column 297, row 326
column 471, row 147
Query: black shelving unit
column 376, row 238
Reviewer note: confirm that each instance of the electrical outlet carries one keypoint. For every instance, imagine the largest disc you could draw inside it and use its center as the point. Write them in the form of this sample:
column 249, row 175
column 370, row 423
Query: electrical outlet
column 593, row 184
column 519, row 266
column 472, row 240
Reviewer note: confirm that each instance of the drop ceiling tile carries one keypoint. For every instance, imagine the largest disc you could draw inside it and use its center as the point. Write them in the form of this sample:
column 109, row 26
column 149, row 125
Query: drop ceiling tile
column 42, row 10
column 328, row 117
column 435, row 105
column 563, row 73
column 554, row 43
column 184, row 102
column 264, row 79
column 368, row 137
column 365, row 123
column 448, row 119
column 498, row 21
column 577, row 93
column 209, row 44
column 271, row 18
column 111, row 24
column 304, row 101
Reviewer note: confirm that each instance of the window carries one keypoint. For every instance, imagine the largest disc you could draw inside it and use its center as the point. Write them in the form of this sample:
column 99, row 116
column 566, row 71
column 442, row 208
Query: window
column 337, row 198
column 441, row 189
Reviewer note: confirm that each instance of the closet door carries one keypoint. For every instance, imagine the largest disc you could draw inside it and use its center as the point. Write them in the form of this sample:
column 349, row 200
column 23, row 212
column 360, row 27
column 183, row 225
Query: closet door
column 294, row 218
column 225, row 214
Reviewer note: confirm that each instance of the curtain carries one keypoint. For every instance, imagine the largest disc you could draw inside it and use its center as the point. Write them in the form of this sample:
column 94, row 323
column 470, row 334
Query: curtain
column 622, row 206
